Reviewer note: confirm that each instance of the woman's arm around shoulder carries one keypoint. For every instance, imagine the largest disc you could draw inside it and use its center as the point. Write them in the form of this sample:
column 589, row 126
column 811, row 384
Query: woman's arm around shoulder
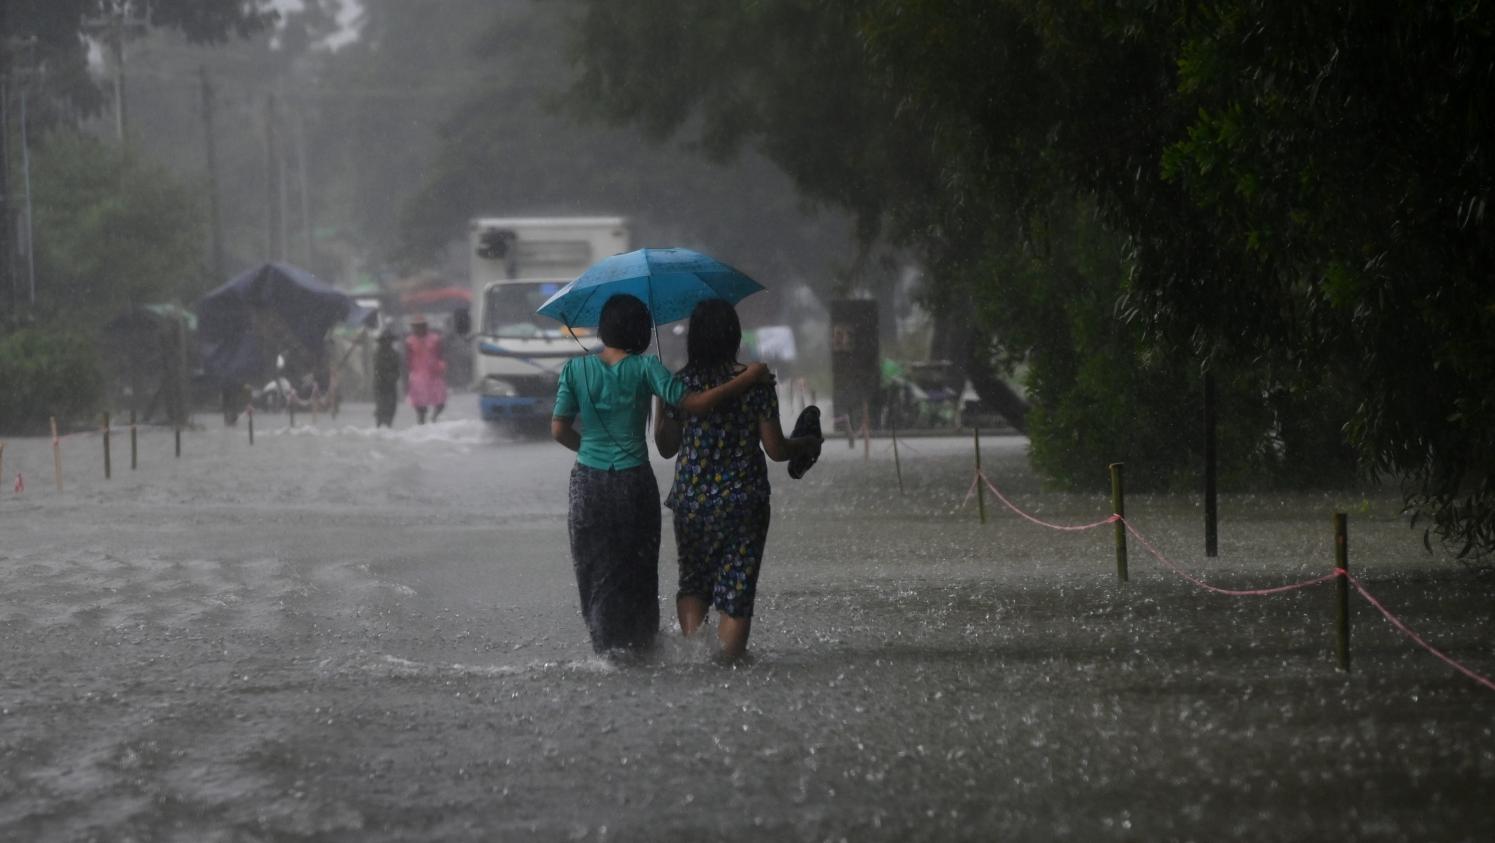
column 703, row 402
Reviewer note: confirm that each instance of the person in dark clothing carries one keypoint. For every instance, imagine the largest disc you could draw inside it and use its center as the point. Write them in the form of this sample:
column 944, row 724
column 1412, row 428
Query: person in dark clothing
column 386, row 380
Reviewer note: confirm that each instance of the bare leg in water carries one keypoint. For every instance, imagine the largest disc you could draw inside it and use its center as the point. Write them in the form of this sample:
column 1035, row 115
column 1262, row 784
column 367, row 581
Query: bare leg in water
column 732, row 632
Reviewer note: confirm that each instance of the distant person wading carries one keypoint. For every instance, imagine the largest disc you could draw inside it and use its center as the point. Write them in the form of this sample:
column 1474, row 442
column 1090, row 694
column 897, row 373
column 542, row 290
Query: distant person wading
column 614, row 518
column 425, row 370
column 386, row 379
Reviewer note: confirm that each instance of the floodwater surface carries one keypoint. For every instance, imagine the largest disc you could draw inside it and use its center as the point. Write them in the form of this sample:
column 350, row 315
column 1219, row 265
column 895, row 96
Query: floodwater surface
column 345, row 634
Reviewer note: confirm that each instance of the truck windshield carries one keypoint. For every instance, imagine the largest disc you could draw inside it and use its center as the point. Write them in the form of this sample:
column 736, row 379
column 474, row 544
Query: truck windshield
column 509, row 310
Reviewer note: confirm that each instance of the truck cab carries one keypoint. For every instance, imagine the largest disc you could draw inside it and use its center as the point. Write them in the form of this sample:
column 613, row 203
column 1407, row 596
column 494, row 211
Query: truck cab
column 518, row 263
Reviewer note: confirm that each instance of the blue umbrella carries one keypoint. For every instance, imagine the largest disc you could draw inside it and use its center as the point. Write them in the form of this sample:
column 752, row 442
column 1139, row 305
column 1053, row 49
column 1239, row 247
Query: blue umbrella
column 670, row 281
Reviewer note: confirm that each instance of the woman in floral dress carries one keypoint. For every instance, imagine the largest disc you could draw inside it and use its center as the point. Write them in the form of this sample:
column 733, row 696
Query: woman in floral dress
column 720, row 496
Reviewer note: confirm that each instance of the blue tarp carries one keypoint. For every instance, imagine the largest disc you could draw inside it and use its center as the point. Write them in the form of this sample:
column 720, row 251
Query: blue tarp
column 305, row 304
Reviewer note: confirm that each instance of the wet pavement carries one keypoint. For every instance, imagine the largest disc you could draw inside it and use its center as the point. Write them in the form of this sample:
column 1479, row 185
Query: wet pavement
column 353, row 635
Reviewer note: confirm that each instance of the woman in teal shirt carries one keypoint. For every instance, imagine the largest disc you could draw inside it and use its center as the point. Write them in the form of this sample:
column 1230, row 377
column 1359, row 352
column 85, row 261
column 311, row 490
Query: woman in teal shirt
column 614, row 518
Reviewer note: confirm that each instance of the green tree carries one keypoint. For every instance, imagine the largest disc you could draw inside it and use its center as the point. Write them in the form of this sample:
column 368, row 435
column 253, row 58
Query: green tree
column 111, row 230
column 987, row 137
column 1344, row 150
column 49, row 40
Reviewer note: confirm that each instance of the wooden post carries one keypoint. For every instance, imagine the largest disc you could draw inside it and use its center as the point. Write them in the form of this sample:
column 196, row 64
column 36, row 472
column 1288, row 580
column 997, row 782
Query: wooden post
column 1342, row 591
column 56, row 455
column 897, row 466
column 178, row 434
column 2, row 462
column 1118, row 506
column 106, row 447
column 980, row 478
column 291, row 407
column 866, row 434
column 134, row 448
column 251, row 426
column 1211, row 512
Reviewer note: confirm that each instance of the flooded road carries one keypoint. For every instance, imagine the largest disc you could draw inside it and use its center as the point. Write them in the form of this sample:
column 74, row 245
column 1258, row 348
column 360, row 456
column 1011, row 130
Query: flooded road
column 353, row 635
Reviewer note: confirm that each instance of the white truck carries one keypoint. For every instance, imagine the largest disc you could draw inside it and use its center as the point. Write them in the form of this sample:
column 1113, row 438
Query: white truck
column 517, row 263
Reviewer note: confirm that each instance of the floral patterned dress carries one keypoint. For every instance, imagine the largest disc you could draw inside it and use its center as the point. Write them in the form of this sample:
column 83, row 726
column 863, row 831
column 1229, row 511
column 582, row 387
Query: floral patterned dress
column 720, row 496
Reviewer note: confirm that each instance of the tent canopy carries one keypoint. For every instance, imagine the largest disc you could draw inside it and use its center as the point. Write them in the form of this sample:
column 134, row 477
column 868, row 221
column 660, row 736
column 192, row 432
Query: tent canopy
column 301, row 305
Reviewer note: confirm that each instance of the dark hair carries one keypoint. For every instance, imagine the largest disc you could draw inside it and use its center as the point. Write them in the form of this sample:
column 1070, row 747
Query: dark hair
column 625, row 324
column 715, row 335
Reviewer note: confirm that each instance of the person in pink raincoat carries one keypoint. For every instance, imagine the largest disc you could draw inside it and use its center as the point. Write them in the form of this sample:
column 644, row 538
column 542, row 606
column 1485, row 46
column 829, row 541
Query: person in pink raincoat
column 425, row 370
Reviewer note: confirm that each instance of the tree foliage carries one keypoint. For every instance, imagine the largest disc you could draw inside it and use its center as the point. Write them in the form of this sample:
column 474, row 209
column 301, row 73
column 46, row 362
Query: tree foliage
column 47, row 373
column 50, row 37
column 1290, row 195
column 1345, row 148
column 112, row 231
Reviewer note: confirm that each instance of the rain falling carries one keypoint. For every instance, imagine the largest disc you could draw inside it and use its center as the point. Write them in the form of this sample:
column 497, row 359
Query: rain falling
column 779, row 420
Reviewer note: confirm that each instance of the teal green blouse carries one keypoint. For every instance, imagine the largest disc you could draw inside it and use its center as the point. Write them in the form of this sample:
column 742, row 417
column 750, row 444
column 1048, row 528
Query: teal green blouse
column 613, row 403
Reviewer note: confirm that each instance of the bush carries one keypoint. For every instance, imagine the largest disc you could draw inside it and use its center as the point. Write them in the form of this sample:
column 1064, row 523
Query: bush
column 44, row 373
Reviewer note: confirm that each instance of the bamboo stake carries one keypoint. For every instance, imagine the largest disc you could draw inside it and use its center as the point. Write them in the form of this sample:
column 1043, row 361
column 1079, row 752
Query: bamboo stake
column 897, row 466
column 2, row 462
column 56, row 455
column 1211, row 509
column 1342, row 591
column 980, row 478
column 107, row 465
column 866, row 434
column 1118, row 505
column 134, row 448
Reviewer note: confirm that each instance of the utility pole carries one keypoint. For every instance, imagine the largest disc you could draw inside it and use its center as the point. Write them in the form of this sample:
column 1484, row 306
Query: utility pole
column 26, row 177
column 6, row 251
column 16, row 79
column 214, row 219
column 111, row 30
column 283, row 190
column 272, row 181
column 301, row 181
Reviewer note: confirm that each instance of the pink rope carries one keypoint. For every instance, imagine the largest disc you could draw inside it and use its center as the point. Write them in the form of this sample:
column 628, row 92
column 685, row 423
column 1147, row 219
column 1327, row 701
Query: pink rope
column 1242, row 592
column 1251, row 592
column 1010, row 505
column 971, row 491
column 1397, row 622
column 1167, row 563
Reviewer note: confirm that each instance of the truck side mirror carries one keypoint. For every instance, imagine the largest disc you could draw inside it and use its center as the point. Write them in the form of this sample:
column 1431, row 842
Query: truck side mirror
column 462, row 321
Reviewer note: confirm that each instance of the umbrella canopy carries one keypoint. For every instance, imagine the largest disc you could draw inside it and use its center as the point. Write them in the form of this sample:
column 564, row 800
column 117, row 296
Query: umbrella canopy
column 437, row 300
column 670, row 281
